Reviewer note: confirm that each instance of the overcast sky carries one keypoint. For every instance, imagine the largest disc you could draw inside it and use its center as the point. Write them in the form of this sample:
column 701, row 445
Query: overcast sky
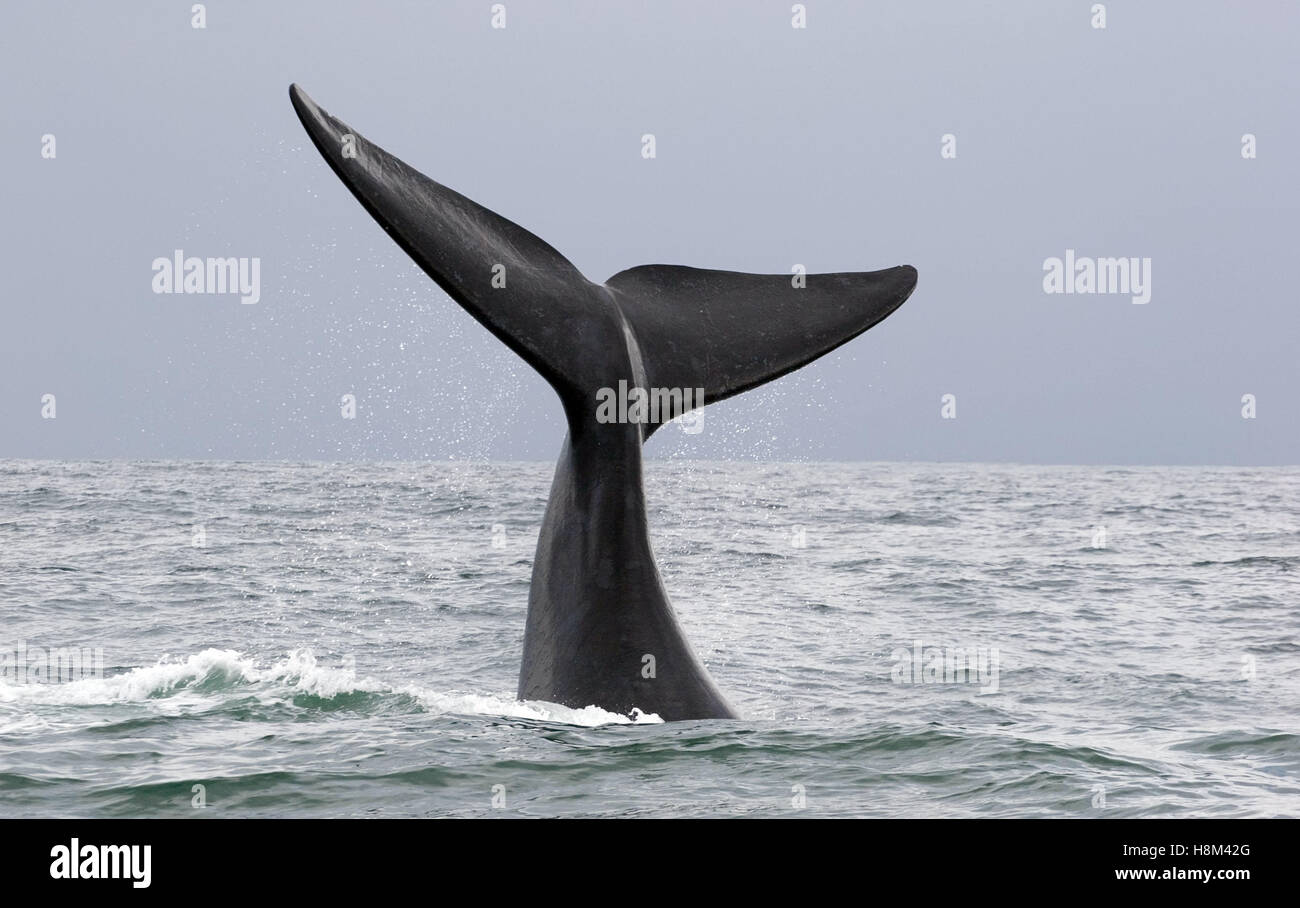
column 775, row 146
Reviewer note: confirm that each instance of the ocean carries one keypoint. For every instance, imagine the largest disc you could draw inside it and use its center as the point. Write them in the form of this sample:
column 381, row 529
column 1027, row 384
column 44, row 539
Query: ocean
column 936, row 640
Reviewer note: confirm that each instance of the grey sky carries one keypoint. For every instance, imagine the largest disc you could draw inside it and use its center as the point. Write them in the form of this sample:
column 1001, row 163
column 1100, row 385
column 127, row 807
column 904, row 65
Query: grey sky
column 775, row 146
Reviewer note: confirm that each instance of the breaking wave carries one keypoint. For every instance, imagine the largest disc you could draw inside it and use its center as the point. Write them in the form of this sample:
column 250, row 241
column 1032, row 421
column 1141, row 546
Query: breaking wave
column 202, row 679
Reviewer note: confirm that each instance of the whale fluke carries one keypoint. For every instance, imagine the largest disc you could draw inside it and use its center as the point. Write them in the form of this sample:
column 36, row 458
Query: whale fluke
column 600, row 630
column 727, row 332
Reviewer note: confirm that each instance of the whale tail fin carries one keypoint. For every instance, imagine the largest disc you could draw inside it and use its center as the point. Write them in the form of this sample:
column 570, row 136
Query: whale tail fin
column 727, row 332
column 478, row 257
column 722, row 331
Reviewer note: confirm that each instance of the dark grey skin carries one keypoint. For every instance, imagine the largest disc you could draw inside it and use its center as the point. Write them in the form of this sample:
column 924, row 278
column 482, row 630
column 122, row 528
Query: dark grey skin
column 600, row 630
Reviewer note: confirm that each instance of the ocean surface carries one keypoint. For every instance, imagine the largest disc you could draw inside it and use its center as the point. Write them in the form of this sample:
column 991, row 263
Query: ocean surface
column 902, row 640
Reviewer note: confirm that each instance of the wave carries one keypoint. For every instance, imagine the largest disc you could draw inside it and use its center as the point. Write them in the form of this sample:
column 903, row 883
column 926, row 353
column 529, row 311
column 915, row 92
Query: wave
column 905, row 518
column 1280, row 561
column 204, row 678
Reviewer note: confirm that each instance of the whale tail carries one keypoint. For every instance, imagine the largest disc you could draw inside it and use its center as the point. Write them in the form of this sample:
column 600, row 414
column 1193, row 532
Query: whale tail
column 722, row 331
column 597, row 607
column 727, row 332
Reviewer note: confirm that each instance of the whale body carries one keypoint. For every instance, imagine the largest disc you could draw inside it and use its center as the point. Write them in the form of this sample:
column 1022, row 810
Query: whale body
column 600, row 629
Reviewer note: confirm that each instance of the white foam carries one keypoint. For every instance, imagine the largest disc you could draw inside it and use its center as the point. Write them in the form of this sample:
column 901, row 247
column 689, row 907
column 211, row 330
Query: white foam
column 136, row 684
column 176, row 684
column 213, row 669
column 469, row 704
